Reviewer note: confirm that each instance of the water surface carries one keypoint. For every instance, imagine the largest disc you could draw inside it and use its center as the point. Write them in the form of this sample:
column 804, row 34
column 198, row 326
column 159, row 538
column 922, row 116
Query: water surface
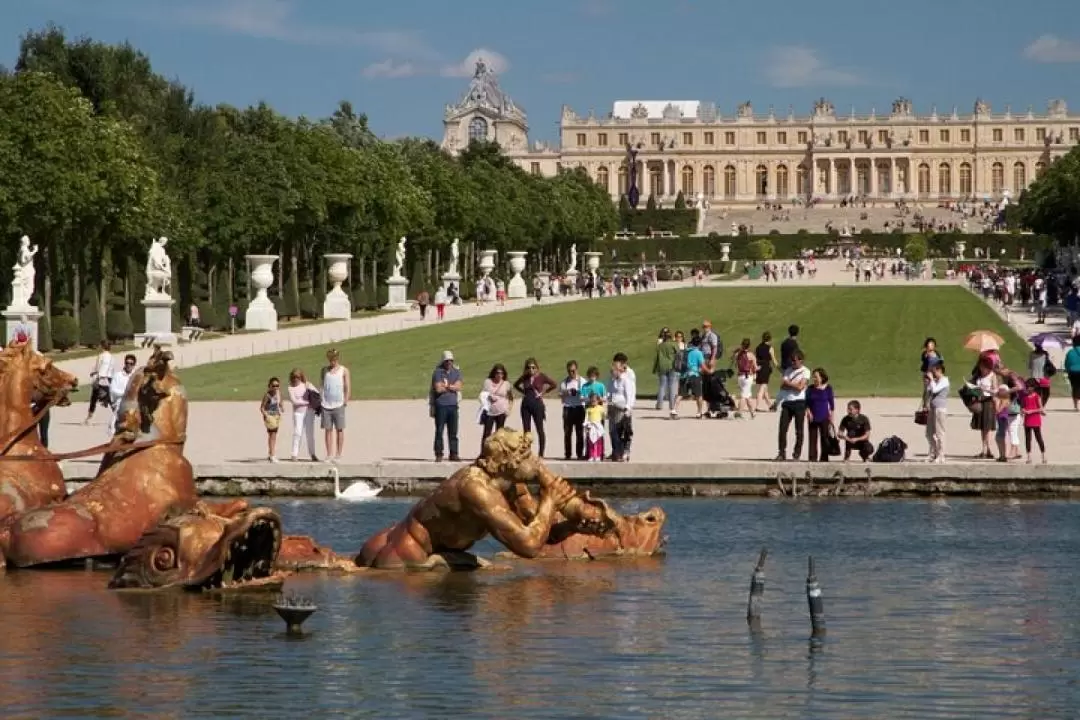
column 958, row 608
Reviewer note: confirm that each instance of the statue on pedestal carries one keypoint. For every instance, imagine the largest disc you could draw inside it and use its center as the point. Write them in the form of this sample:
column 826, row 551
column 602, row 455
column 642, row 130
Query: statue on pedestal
column 158, row 269
column 22, row 281
column 454, row 253
column 399, row 257
column 573, row 258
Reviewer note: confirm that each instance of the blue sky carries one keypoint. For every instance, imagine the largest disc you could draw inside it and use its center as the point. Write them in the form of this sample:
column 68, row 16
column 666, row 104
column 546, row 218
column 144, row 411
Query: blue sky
column 401, row 62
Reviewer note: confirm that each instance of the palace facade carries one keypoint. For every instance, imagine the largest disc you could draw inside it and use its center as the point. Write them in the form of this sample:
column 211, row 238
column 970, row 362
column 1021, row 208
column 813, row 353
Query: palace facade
column 749, row 158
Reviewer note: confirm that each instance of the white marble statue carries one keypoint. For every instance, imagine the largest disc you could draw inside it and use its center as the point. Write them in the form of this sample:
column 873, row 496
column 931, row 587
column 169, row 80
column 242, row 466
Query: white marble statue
column 454, row 254
column 158, row 269
column 399, row 257
column 573, row 259
column 22, row 281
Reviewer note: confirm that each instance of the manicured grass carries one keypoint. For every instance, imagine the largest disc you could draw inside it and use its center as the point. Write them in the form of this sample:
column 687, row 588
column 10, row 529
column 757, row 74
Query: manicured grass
column 867, row 338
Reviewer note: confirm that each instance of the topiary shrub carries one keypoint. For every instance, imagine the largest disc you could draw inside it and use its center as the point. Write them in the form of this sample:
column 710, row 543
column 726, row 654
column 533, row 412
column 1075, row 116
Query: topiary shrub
column 91, row 332
column 309, row 308
column 761, row 250
column 222, row 296
column 774, row 231
column 118, row 325
column 650, row 204
column 44, row 340
column 65, row 331
column 288, row 308
column 680, row 201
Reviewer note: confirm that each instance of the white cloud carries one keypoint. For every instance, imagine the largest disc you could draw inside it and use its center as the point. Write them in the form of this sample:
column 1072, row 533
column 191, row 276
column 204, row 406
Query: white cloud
column 795, row 66
column 497, row 62
column 1052, row 49
column 390, row 69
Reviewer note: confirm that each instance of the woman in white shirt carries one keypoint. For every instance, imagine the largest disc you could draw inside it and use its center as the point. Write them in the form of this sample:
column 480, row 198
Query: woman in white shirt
column 102, row 379
column 791, row 399
column 303, row 413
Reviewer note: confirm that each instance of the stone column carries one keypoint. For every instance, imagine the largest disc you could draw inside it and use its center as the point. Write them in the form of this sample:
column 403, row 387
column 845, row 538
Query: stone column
column 673, row 186
column 873, row 177
column 834, row 189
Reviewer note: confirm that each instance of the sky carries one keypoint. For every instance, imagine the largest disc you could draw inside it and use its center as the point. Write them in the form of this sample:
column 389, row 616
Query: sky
column 402, row 61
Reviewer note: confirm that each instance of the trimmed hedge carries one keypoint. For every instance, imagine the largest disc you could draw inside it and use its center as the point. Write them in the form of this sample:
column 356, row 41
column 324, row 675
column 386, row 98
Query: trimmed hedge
column 681, row 221
column 700, row 249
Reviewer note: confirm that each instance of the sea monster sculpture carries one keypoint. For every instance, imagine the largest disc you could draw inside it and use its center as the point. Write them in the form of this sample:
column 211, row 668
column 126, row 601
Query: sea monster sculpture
column 28, row 483
column 142, row 475
column 226, row 547
column 490, row 496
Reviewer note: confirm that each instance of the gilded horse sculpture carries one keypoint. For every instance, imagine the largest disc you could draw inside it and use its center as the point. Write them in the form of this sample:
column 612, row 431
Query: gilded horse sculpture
column 142, row 475
column 37, row 480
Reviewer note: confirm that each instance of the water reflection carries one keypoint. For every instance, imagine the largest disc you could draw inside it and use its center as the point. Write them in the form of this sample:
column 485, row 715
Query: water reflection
column 935, row 609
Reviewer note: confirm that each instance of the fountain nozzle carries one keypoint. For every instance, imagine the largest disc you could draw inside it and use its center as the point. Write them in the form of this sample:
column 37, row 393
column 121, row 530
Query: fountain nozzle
column 294, row 610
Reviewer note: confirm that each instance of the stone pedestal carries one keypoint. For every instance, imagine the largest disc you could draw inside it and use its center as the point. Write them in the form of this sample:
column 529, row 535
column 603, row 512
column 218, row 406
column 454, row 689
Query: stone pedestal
column 337, row 305
column 516, row 288
column 451, row 278
column 725, row 251
column 261, row 314
column 571, row 281
column 592, row 262
column 545, row 280
column 159, row 311
column 397, row 293
column 961, row 246
column 25, row 319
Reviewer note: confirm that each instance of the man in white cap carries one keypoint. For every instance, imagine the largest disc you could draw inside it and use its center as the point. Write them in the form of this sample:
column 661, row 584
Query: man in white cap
column 443, row 401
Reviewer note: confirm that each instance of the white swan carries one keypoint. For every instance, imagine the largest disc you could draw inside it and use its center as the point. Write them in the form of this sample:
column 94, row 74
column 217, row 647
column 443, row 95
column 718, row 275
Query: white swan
column 359, row 491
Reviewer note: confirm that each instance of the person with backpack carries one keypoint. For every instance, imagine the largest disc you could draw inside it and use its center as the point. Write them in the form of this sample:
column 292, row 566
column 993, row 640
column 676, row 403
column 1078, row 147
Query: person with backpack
column 688, row 362
column 746, row 369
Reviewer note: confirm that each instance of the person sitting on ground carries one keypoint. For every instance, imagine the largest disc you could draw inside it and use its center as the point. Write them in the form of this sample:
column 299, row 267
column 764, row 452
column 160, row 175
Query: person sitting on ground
column 854, row 430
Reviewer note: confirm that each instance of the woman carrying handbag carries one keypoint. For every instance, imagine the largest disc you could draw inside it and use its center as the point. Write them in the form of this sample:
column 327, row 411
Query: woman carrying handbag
column 934, row 412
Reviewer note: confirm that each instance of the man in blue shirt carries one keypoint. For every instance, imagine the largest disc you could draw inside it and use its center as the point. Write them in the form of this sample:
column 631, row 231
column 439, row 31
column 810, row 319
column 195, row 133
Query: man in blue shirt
column 444, row 399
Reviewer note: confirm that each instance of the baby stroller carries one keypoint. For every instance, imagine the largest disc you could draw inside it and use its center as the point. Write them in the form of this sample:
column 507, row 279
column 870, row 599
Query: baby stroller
column 717, row 398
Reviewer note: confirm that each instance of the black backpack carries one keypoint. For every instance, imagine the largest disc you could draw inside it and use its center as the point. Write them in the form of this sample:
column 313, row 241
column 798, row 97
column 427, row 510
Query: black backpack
column 891, row 450
column 679, row 363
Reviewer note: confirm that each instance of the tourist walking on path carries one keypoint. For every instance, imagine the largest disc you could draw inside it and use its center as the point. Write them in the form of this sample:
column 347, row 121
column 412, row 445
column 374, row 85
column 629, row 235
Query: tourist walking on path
column 765, row 355
column 1041, row 369
column 496, row 400
column 533, row 386
column 930, row 356
column 667, row 379
column 691, row 375
column 336, row 391
column 791, row 399
column 936, row 405
column 788, row 348
column 270, row 407
column 101, row 378
column 444, row 399
column 821, row 403
column 422, row 301
column 1033, row 418
column 301, row 397
column 1072, row 369
column 746, row 370
column 622, row 395
column 117, row 388
column 573, row 412
column 440, row 304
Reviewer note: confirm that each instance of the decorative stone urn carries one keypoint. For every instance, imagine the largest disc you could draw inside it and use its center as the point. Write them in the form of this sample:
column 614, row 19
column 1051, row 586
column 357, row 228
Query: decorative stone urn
column 516, row 288
column 261, row 314
column 725, row 250
column 487, row 261
column 545, row 282
column 961, row 246
column 592, row 262
column 337, row 305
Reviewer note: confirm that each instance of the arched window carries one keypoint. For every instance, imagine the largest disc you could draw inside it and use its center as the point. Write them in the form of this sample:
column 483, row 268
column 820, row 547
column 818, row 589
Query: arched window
column 966, row 187
column 997, row 178
column 802, row 181
column 761, row 180
column 730, row 187
column 782, row 181
column 478, row 129
column 688, row 181
column 708, row 181
column 1019, row 177
column 924, row 179
column 623, row 181
column 944, row 179
column 602, row 178
column 1040, row 168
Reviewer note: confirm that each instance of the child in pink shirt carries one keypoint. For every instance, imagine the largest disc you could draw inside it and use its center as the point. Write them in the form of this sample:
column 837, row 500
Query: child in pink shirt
column 1032, row 407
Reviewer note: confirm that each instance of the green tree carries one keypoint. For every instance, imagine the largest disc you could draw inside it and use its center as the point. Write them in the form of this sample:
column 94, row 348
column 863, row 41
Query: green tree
column 680, row 201
column 650, row 204
column 1049, row 205
column 118, row 325
column 916, row 250
column 90, row 331
column 761, row 249
column 65, row 331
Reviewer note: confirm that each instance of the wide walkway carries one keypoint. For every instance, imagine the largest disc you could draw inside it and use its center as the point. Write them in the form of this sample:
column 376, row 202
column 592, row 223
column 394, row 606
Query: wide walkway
column 242, row 345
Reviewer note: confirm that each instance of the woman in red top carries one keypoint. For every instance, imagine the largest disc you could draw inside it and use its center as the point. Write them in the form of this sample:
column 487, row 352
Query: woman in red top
column 533, row 385
column 1032, row 407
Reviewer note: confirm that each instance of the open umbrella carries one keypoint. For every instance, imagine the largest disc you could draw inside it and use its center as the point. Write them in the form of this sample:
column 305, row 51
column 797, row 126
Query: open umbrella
column 983, row 340
column 1048, row 341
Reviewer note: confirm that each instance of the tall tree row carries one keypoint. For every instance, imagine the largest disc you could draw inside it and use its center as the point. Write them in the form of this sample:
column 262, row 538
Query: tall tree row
column 98, row 154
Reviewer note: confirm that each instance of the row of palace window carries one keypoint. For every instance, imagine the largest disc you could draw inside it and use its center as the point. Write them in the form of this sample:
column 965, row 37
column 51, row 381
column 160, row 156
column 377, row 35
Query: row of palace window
column 843, row 136
column 781, row 187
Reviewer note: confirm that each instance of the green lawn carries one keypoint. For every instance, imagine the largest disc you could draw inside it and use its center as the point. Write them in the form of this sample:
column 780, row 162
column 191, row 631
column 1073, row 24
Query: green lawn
column 868, row 339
